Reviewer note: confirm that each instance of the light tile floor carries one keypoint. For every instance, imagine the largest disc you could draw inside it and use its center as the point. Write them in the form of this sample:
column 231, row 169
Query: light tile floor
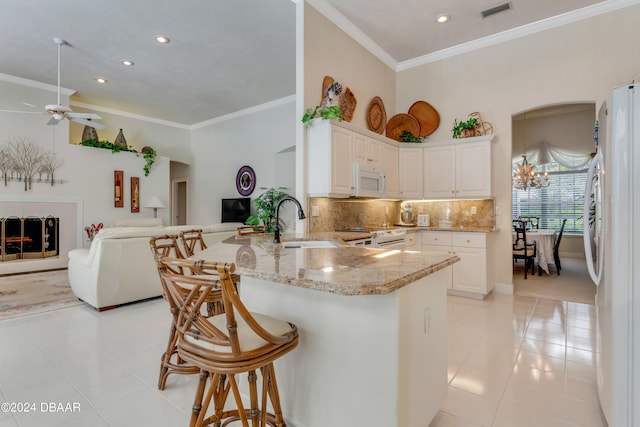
column 520, row 361
column 513, row 361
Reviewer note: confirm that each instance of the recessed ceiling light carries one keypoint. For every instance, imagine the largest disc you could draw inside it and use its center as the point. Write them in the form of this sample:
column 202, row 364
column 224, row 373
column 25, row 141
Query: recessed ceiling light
column 127, row 62
column 162, row 39
column 102, row 80
column 442, row 19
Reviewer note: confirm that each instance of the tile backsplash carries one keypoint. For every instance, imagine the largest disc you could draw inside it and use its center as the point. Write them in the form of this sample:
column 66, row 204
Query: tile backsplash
column 337, row 214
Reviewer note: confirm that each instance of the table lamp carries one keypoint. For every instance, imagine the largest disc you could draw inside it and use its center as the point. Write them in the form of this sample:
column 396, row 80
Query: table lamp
column 155, row 203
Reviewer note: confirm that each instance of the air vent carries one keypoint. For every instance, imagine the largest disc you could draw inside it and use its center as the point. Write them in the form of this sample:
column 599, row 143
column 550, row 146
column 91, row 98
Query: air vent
column 496, row 9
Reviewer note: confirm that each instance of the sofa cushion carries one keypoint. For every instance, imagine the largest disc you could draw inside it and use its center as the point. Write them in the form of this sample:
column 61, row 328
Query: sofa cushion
column 138, row 222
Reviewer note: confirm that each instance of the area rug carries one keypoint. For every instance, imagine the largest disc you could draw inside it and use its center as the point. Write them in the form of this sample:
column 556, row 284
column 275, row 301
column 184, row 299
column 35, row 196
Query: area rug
column 26, row 294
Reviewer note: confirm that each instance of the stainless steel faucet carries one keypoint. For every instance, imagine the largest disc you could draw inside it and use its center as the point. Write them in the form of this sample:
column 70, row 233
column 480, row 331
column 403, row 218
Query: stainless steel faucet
column 276, row 237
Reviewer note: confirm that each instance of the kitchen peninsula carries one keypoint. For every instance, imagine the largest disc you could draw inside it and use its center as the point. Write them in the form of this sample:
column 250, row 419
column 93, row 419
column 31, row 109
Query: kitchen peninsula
column 372, row 326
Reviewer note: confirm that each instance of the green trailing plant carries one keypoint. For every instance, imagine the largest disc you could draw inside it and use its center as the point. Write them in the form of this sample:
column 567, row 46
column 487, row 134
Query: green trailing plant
column 326, row 112
column 459, row 127
column 266, row 208
column 149, row 154
column 407, row 136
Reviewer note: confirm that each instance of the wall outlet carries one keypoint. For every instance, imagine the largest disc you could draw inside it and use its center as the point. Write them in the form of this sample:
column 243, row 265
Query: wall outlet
column 315, row 210
column 474, row 210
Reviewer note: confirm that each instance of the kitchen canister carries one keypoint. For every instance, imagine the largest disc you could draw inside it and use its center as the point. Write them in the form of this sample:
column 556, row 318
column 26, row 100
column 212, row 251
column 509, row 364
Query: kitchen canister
column 423, row 220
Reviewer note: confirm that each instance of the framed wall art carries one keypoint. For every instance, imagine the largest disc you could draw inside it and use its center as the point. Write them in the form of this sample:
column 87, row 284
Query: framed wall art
column 135, row 194
column 245, row 180
column 118, row 189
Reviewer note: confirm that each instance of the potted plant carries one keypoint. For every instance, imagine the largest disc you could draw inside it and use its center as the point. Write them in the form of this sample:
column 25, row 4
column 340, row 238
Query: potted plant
column 266, row 208
column 327, row 112
column 464, row 129
column 407, row 136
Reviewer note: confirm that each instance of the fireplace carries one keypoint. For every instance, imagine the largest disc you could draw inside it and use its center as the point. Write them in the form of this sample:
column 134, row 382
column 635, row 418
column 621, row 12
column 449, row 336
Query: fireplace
column 28, row 237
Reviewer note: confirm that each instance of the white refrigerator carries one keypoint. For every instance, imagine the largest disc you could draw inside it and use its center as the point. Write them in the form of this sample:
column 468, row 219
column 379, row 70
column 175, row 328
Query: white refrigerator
column 612, row 247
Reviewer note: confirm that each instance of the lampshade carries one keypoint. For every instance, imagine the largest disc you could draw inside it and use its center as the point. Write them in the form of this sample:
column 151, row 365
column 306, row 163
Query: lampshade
column 155, row 203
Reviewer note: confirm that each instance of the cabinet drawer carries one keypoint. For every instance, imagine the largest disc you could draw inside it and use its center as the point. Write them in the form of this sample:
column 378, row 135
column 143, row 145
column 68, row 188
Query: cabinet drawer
column 436, row 238
column 469, row 240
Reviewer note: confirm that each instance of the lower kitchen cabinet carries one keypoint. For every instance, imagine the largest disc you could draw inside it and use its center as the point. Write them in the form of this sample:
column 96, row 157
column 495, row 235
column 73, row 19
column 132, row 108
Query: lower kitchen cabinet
column 414, row 241
column 468, row 276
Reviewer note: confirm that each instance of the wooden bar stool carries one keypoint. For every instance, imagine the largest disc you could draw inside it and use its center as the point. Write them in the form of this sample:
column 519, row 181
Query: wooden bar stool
column 171, row 362
column 251, row 229
column 192, row 241
column 226, row 345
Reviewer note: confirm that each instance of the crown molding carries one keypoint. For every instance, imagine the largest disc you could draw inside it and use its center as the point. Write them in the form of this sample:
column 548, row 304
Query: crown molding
column 37, row 85
column 525, row 30
column 251, row 110
column 130, row 115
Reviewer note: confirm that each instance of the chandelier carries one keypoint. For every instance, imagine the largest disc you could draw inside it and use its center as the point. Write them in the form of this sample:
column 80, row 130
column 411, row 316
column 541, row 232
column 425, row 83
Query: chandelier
column 526, row 177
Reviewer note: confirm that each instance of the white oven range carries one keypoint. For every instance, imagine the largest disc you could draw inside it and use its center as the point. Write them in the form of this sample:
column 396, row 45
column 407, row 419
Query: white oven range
column 387, row 239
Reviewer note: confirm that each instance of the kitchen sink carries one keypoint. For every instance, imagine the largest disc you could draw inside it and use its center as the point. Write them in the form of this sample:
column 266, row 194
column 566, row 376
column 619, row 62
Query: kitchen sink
column 309, row 244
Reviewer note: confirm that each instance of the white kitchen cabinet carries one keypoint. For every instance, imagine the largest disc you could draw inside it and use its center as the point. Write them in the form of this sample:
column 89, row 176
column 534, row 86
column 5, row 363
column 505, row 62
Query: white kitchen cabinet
column 414, row 241
column 366, row 150
column 458, row 170
column 333, row 148
column 469, row 275
column 330, row 160
column 390, row 166
column 410, row 173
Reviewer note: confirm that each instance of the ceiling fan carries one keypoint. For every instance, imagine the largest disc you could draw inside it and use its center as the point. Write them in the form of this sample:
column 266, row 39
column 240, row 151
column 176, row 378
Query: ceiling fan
column 58, row 111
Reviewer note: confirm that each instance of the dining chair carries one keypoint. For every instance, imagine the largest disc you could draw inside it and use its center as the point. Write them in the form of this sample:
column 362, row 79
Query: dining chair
column 533, row 221
column 522, row 249
column 226, row 345
column 556, row 248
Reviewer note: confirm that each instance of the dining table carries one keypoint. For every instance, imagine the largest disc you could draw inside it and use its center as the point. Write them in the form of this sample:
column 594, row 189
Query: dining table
column 545, row 240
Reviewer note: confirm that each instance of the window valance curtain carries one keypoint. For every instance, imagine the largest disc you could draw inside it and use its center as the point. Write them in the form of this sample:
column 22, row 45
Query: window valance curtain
column 545, row 153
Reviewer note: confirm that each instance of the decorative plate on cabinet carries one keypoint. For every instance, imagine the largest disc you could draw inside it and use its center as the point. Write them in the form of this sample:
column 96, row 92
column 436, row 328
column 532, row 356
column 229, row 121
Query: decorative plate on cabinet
column 427, row 117
column 348, row 105
column 377, row 115
column 400, row 123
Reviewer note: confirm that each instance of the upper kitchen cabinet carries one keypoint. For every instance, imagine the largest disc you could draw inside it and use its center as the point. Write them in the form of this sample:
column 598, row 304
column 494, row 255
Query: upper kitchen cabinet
column 366, row 149
column 334, row 147
column 330, row 160
column 410, row 173
column 458, row 169
column 390, row 166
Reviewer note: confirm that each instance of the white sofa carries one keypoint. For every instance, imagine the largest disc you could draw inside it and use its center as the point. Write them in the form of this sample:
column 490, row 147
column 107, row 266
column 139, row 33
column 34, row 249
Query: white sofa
column 119, row 268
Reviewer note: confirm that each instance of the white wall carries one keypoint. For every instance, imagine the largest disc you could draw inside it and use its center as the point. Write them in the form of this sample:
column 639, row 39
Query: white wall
column 328, row 51
column 222, row 148
column 88, row 172
column 579, row 62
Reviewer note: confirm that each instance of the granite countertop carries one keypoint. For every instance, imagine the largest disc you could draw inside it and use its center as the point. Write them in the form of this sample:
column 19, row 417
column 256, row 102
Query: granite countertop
column 343, row 270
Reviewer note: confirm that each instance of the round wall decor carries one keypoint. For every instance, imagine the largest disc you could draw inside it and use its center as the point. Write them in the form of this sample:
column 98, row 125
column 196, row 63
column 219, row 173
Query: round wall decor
column 245, row 180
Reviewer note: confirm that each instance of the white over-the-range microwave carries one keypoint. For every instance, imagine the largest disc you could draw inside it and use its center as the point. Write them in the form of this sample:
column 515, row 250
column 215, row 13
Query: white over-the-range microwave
column 368, row 180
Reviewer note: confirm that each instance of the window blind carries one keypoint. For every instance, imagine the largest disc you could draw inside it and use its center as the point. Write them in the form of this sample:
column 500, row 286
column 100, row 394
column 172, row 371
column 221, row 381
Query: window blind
column 563, row 198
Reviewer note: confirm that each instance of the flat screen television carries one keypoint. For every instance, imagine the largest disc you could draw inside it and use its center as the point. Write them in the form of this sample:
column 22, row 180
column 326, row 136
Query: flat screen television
column 236, row 210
